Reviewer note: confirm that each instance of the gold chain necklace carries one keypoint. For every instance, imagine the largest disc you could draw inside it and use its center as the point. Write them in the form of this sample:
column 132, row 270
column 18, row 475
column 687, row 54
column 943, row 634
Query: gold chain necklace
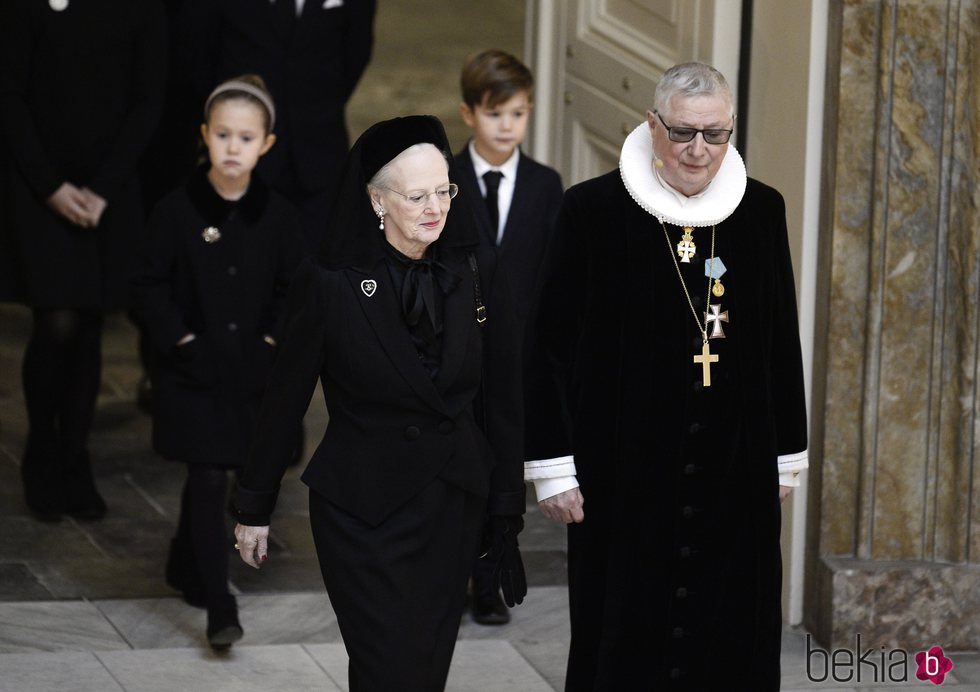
column 706, row 358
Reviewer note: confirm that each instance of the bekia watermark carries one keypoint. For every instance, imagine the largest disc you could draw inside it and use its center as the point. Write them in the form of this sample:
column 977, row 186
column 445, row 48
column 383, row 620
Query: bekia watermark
column 874, row 665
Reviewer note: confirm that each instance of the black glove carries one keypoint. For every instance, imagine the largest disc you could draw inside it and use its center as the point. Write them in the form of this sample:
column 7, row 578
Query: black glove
column 194, row 365
column 508, row 576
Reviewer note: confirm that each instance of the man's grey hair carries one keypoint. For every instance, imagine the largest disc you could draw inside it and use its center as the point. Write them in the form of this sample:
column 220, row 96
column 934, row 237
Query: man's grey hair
column 691, row 79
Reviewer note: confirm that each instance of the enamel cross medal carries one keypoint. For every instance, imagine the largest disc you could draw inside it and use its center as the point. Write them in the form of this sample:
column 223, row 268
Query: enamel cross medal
column 686, row 247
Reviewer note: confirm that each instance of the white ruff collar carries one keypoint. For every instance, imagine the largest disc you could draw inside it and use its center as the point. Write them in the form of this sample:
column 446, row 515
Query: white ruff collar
column 716, row 205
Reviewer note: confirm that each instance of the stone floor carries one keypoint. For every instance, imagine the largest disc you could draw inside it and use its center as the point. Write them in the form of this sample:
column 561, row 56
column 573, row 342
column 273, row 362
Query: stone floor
column 83, row 606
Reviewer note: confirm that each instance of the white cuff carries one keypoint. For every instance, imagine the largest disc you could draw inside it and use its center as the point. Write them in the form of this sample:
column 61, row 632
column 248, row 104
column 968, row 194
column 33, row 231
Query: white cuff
column 548, row 487
column 792, row 462
column 791, row 479
column 549, row 468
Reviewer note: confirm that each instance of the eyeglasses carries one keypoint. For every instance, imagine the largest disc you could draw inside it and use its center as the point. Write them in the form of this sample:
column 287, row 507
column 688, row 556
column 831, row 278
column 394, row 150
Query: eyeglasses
column 686, row 134
column 417, row 198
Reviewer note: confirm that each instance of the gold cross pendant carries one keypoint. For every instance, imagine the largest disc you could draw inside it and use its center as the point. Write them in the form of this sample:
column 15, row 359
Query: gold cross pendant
column 706, row 359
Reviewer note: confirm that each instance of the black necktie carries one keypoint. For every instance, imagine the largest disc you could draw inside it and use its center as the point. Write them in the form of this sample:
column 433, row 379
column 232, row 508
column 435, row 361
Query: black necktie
column 492, row 181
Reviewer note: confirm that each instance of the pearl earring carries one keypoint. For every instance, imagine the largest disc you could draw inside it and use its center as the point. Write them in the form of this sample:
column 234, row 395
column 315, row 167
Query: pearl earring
column 380, row 211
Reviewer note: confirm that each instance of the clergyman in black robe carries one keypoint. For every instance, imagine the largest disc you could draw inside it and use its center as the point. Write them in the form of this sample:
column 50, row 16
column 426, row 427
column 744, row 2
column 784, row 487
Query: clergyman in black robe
column 665, row 409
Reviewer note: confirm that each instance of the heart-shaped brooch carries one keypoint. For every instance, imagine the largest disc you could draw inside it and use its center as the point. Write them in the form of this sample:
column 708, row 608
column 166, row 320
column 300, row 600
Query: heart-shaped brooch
column 369, row 286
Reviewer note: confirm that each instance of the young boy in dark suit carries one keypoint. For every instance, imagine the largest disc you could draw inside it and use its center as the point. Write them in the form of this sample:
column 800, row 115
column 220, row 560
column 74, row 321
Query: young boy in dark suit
column 516, row 200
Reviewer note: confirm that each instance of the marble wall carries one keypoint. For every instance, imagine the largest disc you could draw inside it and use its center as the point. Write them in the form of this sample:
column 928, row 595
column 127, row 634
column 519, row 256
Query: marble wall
column 896, row 409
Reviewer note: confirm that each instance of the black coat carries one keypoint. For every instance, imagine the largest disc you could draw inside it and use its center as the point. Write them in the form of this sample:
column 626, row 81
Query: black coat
column 392, row 429
column 229, row 293
column 311, row 68
column 530, row 221
column 676, row 570
column 80, row 95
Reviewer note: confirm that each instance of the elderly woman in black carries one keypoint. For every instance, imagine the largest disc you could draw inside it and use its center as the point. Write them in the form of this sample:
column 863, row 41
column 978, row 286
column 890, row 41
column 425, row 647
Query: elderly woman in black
column 407, row 323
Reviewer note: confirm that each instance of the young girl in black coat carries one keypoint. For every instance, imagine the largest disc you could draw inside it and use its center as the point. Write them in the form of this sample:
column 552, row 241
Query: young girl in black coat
column 220, row 252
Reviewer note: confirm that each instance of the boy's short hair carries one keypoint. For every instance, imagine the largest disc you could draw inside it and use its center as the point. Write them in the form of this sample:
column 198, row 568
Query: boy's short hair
column 492, row 77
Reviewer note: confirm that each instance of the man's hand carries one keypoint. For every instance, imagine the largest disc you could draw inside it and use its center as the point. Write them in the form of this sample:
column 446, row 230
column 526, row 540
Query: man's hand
column 784, row 491
column 252, row 543
column 565, row 507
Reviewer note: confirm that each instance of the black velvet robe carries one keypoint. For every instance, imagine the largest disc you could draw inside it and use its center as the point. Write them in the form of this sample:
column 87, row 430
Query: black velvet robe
column 675, row 573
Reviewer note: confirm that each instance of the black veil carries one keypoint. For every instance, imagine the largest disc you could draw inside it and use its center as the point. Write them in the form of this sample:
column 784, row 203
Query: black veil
column 352, row 236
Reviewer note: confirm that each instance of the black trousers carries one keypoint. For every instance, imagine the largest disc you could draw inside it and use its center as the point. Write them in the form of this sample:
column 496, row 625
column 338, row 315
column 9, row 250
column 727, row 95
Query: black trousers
column 399, row 589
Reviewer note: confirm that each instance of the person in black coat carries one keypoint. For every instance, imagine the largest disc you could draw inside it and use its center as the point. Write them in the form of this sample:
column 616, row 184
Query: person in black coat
column 311, row 53
column 516, row 201
column 211, row 291
column 666, row 394
column 79, row 99
column 409, row 328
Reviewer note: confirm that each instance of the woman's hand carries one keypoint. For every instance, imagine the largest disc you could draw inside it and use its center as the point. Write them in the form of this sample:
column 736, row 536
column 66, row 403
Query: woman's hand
column 73, row 204
column 784, row 492
column 252, row 543
column 95, row 203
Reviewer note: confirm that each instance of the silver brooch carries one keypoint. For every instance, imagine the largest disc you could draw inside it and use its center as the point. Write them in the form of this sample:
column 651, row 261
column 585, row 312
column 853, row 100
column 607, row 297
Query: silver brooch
column 211, row 234
column 369, row 286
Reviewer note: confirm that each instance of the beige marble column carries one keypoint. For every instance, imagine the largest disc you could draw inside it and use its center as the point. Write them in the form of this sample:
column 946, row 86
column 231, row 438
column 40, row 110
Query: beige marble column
column 894, row 544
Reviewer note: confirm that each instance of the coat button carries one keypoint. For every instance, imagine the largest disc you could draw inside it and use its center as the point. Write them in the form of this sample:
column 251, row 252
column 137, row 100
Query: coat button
column 412, row 433
column 698, row 386
column 690, row 469
column 681, row 593
column 685, row 552
column 688, row 512
column 677, row 633
column 695, row 428
column 232, row 270
column 697, row 342
column 232, row 327
column 697, row 301
column 675, row 673
column 446, row 427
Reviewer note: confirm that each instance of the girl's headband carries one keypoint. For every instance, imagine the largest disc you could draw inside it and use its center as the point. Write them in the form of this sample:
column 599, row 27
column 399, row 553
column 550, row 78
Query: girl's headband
column 251, row 90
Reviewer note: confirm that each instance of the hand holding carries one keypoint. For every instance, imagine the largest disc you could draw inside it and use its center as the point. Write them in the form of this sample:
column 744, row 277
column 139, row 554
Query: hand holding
column 505, row 557
column 252, row 543
column 96, row 204
column 71, row 203
column 565, row 507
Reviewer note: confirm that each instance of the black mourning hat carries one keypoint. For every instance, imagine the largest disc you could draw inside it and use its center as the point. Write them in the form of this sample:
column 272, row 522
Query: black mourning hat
column 384, row 141
column 352, row 237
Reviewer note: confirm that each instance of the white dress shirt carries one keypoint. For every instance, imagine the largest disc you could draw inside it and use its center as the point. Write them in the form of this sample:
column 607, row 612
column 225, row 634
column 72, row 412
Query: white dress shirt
column 505, row 193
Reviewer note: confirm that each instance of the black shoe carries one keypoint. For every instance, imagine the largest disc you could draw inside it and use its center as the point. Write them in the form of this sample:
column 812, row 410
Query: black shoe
column 490, row 610
column 44, row 484
column 83, row 499
column 181, row 576
column 223, row 626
